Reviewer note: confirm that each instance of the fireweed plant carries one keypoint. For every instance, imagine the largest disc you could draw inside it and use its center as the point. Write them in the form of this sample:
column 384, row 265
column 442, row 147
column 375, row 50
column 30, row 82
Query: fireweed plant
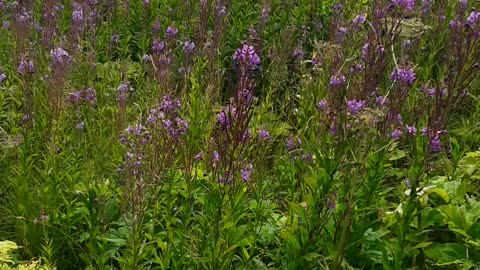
column 204, row 134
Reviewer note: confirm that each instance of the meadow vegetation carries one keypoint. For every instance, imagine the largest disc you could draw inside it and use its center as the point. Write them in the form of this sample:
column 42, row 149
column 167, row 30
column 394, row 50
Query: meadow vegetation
column 235, row 134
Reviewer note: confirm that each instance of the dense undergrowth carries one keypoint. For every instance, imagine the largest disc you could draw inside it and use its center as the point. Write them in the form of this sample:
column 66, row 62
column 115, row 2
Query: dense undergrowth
column 233, row 134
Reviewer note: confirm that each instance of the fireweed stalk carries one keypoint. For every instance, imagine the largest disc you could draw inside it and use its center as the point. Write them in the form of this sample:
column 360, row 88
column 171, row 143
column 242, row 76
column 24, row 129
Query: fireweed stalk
column 151, row 151
column 231, row 136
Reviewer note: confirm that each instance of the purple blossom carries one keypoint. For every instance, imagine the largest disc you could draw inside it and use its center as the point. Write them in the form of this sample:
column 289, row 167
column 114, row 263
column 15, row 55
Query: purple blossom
column 122, row 94
column 381, row 100
column 292, row 144
column 412, row 130
column 473, row 19
column 426, row 5
column 396, row 134
column 216, row 157
column 407, row 182
column 337, row 81
column 199, row 156
column 407, row 5
column 3, row 76
column 115, row 39
column 146, row 58
column 26, row 67
column 359, row 20
column 188, row 47
column 60, row 57
column 455, row 25
column 171, row 32
column 322, row 104
column 80, row 126
column 307, row 157
column 246, row 172
column 247, row 57
column 90, row 95
column 435, row 144
column 355, row 106
column 298, row 53
column 424, row 131
column 263, row 134
column 77, row 15
column 158, row 46
column 156, row 26
column 403, row 75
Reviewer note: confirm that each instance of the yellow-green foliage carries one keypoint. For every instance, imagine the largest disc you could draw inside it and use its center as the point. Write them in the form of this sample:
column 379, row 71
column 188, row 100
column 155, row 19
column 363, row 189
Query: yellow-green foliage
column 7, row 262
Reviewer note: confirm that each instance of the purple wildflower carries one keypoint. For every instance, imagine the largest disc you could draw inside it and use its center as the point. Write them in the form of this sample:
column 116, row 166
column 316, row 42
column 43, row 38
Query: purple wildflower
column 435, row 144
column 90, row 95
column 396, row 134
column 199, row 156
column 322, row 104
column 77, row 15
column 407, row 182
column 80, row 126
column 298, row 53
column 246, row 56
column 3, row 76
column 263, row 134
column 403, row 75
column 189, row 47
column 337, row 81
column 426, row 5
column 355, row 106
column 158, row 46
column 381, row 100
column 412, row 130
column 171, row 32
column 407, row 5
column 359, row 20
column 26, row 67
column 473, row 19
column 246, row 172
column 60, row 57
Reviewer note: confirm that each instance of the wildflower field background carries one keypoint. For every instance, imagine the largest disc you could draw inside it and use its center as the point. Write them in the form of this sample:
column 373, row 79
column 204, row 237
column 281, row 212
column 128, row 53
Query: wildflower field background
column 235, row 134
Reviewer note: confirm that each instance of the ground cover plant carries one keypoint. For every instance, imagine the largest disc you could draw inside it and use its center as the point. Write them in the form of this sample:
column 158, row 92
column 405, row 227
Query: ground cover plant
column 263, row 134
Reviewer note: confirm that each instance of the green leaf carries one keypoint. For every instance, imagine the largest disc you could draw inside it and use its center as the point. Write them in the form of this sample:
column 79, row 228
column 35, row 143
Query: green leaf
column 447, row 254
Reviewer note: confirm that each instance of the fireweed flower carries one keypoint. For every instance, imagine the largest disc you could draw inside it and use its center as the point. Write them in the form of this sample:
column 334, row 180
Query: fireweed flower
column 122, row 94
column 247, row 57
column 246, row 172
column 26, row 67
column 3, row 76
column 403, row 75
column 396, row 134
column 199, row 156
column 435, row 144
column 80, row 126
column 60, row 57
column 473, row 23
column 426, row 5
column 381, row 100
column 412, row 130
column 358, row 21
column 77, row 14
column 263, row 134
column 298, row 53
column 90, row 95
column 355, row 106
column 337, row 81
column 171, row 32
column 115, row 39
column 455, row 25
column 322, row 105
column 188, row 47
column 407, row 5
column 158, row 46
column 292, row 144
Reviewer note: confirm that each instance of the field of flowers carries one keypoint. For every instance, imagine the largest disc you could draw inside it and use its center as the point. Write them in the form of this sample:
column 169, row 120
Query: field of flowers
column 240, row 134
